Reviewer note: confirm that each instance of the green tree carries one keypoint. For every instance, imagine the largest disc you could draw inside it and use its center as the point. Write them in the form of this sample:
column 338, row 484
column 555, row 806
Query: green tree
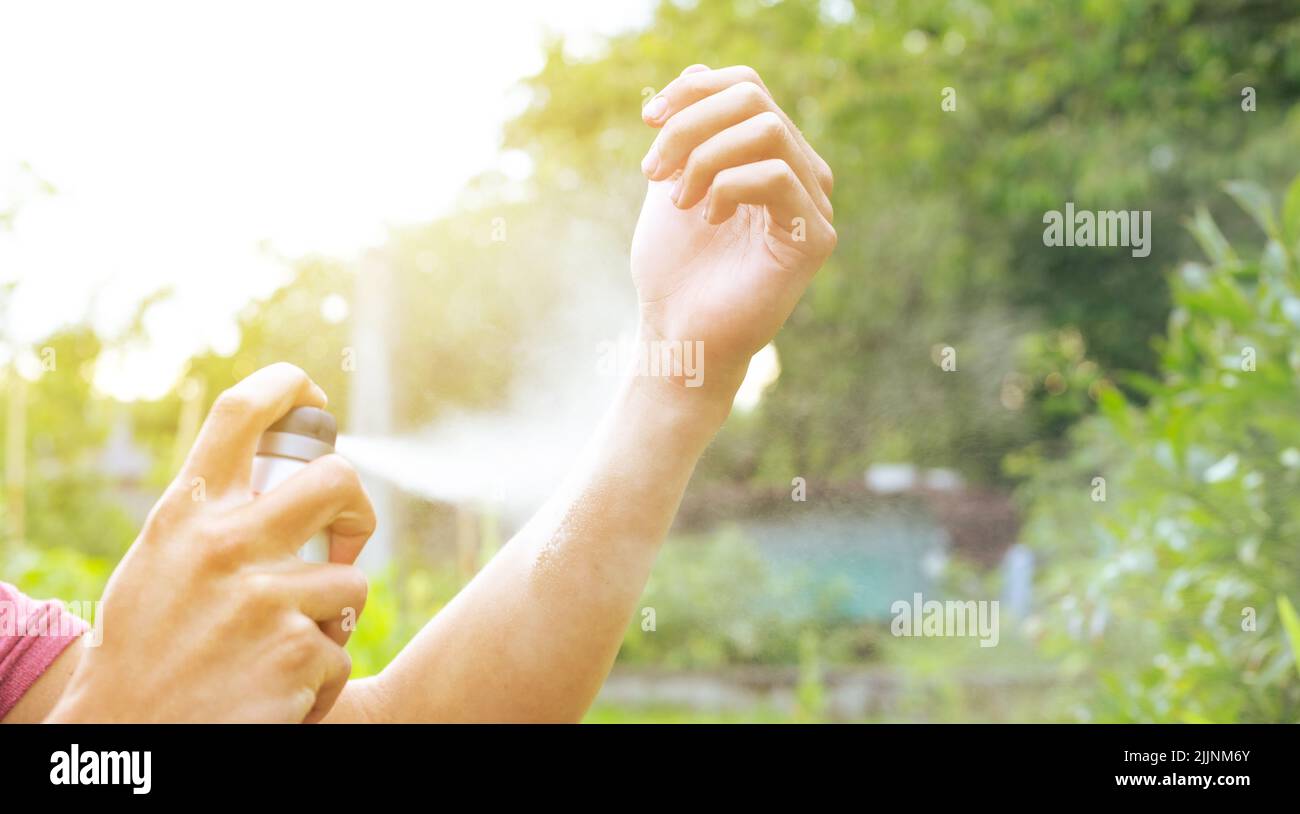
column 1111, row 104
column 1167, row 577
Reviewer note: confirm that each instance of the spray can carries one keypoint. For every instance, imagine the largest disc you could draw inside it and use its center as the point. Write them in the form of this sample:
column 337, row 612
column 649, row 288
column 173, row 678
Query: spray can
column 300, row 437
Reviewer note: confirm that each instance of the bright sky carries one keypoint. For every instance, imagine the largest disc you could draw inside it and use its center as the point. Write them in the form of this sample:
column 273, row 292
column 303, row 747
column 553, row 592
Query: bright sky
column 192, row 145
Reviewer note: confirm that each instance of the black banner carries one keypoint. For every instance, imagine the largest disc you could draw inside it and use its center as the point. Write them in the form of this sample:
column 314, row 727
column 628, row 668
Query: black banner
column 401, row 766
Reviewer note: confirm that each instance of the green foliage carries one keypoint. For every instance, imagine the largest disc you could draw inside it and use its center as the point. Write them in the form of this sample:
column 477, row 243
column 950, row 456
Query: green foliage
column 1156, row 593
column 717, row 602
column 1290, row 623
column 67, row 495
column 1108, row 103
column 56, row 573
column 400, row 602
column 810, row 694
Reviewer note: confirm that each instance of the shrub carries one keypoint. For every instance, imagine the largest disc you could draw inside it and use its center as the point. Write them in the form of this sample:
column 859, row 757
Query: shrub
column 1169, row 590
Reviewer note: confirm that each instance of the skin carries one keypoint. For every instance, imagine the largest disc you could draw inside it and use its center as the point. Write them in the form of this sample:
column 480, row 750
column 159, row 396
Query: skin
column 211, row 616
column 735, row 222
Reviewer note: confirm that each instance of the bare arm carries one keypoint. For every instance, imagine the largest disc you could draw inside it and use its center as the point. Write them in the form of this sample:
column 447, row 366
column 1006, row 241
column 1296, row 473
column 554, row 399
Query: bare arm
column 735, row 223
column 533, row 635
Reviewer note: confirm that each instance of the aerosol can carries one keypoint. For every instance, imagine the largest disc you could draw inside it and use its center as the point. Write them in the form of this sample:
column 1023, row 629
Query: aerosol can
column 302, row 436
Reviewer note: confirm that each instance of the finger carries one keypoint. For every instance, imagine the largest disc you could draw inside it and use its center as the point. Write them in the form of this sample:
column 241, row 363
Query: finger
column 336, row 666
column 695, row 83
column 331, row 594
column 690, row 88
column 697, row 123
column 223, row 453
column 773, row 185
column 326, row 493
column 758, row 138
column 654, row 108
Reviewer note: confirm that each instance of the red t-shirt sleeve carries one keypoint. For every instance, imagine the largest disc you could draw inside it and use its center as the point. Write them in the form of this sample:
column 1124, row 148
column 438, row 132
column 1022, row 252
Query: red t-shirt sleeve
column 32, row 635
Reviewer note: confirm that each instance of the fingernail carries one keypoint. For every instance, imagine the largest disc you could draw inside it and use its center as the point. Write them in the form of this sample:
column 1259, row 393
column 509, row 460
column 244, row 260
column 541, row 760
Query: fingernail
column 651, row 161
column 655, row 109
column 677, row 191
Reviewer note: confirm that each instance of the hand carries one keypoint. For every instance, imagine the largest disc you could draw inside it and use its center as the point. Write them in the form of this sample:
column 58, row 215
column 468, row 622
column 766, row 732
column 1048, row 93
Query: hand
column 211, row 616
column 736, row 220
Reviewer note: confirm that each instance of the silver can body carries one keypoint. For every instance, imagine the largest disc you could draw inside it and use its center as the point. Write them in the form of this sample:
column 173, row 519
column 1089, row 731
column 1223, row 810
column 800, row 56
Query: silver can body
column 279, row 457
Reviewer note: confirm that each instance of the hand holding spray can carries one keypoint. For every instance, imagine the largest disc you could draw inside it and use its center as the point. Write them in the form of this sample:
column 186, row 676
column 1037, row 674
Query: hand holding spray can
column 300, row 437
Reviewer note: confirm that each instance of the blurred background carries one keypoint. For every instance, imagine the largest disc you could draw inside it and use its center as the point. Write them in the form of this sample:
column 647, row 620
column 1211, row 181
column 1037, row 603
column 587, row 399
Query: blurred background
column 428, row 208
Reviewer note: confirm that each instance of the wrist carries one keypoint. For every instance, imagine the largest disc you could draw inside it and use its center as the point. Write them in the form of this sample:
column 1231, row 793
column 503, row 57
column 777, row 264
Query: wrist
column 686, row 379
column 666, row 406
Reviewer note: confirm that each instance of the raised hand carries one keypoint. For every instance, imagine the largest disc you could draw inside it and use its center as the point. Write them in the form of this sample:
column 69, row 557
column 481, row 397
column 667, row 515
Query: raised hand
column 736, row 220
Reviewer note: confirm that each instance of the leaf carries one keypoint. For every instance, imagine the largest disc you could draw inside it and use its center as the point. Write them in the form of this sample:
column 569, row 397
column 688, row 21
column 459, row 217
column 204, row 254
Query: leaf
column 1273, row 262
column 1291, row 215
column 1211, row 240
column 1140, row 383
column 1220, row 471
column 1291, row 622
column 1257, row 202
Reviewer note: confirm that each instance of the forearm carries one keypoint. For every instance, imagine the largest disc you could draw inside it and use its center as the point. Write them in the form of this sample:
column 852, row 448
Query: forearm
column 534, row 634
